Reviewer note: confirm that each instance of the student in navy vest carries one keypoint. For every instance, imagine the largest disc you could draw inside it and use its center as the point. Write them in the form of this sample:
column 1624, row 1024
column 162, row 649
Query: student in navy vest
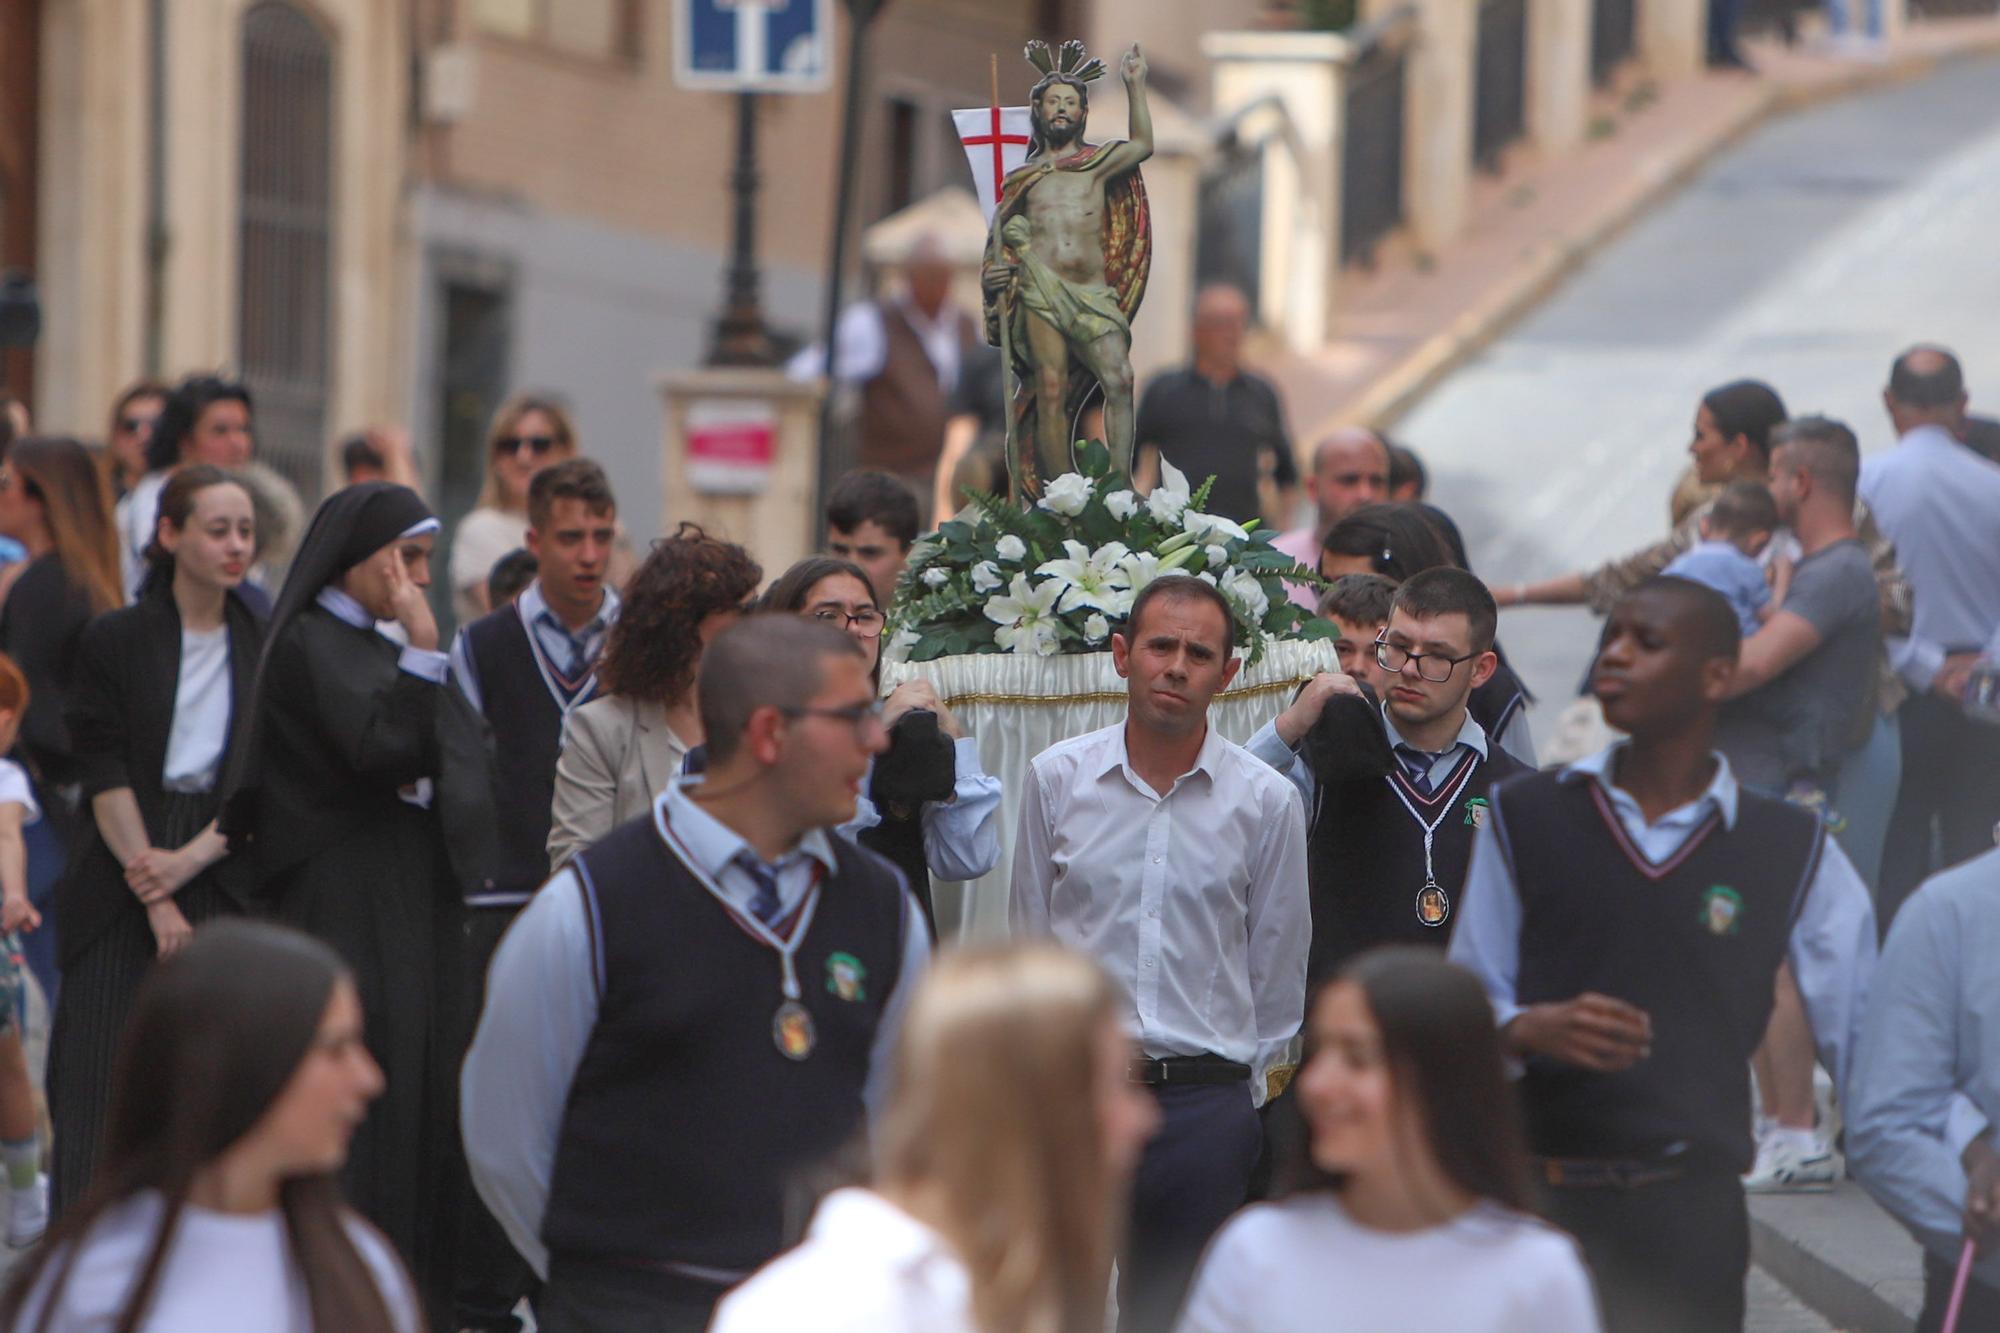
column 524, row 667
column 695, row 1013
column 1178, row 861
column 1628, row 915
column 1391, row 834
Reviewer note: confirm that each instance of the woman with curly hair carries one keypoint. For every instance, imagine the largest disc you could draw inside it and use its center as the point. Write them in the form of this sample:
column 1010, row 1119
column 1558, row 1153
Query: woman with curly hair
column 620, row 749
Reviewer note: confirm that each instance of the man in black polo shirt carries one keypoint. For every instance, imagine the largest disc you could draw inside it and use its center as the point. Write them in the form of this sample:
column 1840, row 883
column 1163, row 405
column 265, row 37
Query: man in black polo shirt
column 1216, row 419
column 1628, row 915
column 687, row 1019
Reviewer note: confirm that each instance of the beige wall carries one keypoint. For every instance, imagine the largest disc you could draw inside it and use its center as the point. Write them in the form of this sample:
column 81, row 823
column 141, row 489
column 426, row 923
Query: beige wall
column 615, row 141
column 94, row 212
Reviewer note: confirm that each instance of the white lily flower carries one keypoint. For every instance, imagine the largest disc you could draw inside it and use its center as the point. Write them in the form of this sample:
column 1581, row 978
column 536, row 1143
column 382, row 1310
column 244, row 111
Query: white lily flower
column 1140, row 568
column 900, row 644
column 1204, row 576
column 1213, row 527
column 1243, row 590
column 1067, row 494
column 1011, row 547
column 1096, row 628
column 1026, row 616
column 1088, row 578
column 936, row 577
column 1170, row 497
column 986, row 576
column 1121, row 505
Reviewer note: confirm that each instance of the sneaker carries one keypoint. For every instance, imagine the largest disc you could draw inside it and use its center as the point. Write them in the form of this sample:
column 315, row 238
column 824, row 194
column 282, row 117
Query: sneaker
column 1784, row 1167
column 27, row 1214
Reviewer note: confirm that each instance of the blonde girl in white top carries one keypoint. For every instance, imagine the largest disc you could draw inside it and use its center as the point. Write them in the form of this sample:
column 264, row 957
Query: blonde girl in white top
column 1002, row 1166
column 1405, row 1205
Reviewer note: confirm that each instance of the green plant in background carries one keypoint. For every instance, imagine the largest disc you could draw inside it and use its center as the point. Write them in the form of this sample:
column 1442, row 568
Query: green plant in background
column 1327, row 15
column 1059, row 577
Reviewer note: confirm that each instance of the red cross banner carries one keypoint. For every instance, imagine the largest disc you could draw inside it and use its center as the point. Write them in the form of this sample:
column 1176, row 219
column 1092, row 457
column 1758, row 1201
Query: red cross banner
column 996, row 141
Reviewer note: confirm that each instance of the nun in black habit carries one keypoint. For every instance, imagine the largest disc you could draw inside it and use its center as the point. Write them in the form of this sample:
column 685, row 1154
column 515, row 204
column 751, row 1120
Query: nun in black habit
column 363, row 797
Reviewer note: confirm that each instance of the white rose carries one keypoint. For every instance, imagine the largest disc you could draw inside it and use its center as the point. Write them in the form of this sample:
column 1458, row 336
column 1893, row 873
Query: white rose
column 1067, row 494
column 1011, row 547
column 1216, row 555
column 1096, row 628
column 900, row 645
column 986, row 576
column 1121, row 504
column 936, row 577
column 1205, row 577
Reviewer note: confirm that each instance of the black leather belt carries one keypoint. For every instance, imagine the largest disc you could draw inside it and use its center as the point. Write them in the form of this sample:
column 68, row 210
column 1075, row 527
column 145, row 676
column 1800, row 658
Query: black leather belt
column 1188, row 1069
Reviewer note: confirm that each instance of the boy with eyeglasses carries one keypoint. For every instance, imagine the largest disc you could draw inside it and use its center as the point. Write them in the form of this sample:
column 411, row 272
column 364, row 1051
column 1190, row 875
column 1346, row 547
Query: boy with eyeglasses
column 1395, row 786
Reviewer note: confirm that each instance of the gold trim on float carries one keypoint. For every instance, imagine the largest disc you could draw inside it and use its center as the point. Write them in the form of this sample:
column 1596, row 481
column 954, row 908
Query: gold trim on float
column 1114, row 696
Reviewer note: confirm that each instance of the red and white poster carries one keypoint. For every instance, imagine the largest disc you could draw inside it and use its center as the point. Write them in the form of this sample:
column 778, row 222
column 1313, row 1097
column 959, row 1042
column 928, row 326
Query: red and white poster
column 731, row 445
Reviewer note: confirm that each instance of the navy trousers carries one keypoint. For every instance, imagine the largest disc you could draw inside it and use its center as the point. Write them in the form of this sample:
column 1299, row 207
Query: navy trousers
column 1194, row 1174
column 1979, row 1314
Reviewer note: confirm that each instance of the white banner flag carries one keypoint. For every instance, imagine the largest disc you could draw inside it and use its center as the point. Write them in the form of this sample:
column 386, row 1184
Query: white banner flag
column 996, row 141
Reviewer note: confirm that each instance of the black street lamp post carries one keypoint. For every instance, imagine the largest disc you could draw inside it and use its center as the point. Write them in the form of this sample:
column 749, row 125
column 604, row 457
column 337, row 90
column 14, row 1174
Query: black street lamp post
column 741, row 339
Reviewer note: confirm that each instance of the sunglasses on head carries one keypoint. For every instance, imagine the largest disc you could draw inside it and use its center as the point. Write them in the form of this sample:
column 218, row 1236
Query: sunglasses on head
column 537, row 444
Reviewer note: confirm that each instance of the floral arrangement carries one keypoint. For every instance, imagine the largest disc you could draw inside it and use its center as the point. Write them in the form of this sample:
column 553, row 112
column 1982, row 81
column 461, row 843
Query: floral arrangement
column 1059, row 576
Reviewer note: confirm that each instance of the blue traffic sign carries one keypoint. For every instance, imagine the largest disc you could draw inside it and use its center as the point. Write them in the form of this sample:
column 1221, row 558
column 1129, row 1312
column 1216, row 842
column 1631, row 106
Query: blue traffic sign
column 753, row 45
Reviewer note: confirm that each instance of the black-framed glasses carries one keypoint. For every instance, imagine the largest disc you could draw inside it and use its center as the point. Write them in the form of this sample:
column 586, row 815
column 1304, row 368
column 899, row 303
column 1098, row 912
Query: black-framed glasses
column 538, row 445
column 1433, row 667
column 868, row 624
column 864, row 718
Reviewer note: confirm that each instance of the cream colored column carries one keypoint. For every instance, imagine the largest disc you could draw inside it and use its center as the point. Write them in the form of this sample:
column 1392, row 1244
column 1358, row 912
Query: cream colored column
column 92, row 227
column 1558, row 73
column 204, row 93
column 1298, row 79
column 1673, row 37
column 1437, row 170
column 779, row 521
column 370, row 337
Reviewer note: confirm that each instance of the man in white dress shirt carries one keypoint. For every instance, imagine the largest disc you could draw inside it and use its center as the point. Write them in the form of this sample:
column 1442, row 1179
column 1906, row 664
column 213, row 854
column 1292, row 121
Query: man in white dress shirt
column 1178, row 861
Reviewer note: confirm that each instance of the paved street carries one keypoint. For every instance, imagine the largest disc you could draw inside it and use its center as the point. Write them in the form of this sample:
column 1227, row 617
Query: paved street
column 1808, row 255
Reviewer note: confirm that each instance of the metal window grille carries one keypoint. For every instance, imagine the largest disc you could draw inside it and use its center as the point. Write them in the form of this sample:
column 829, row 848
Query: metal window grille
column 1611, row 37
column 1500, row 80
column 1371, row 168
column 285, row 236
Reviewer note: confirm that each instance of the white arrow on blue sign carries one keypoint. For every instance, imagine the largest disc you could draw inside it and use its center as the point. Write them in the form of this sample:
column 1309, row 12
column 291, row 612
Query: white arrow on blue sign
column 766, row 46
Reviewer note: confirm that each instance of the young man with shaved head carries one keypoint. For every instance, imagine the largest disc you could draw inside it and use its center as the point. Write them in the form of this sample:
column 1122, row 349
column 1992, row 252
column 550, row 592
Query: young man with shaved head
column 1350, row 469
column 1177, row 860
column 1628, row 915
column 699, row 1007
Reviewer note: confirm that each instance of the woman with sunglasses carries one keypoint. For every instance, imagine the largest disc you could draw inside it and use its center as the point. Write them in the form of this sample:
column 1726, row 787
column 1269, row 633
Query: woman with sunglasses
column 529, row 432
column 929, row 807
column 620, row 749
column 1405, row 1202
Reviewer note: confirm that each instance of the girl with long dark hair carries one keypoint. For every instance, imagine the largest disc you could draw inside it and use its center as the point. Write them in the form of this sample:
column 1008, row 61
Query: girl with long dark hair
column 160, row 694
column 54, row 502
column 239, row 1084
column 1406, row 1204
column 362, row 792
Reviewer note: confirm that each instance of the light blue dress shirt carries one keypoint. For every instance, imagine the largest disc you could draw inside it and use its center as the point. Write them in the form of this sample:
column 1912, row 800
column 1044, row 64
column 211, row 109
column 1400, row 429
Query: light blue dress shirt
column 1267, row 745
column 1832, row 947
column 1939, row 502
column 558, row 642
column 1927, row 1070
column 426, row 662
column 541, row 1005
